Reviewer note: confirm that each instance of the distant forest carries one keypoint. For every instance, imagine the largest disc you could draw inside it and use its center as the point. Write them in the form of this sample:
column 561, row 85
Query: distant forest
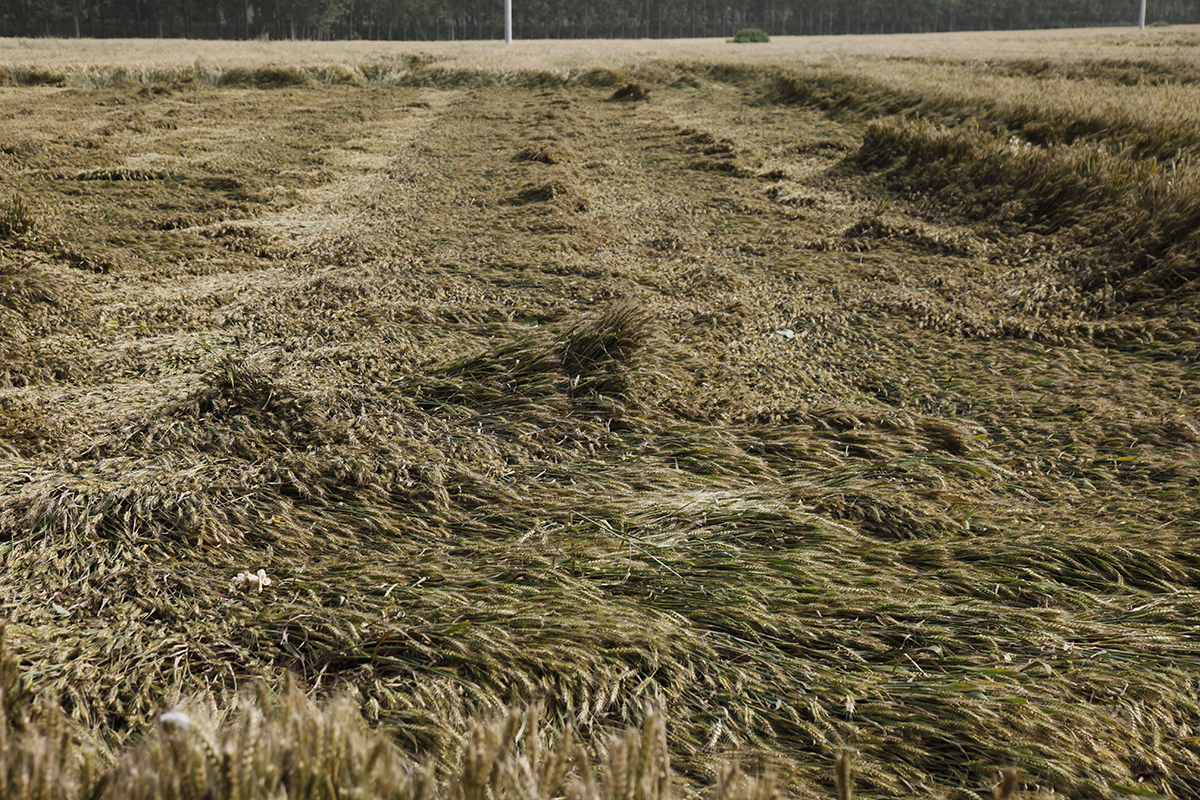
column 557, row 19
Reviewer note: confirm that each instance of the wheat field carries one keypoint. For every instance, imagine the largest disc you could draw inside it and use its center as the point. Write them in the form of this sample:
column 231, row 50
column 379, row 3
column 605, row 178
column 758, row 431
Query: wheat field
column 601, row 420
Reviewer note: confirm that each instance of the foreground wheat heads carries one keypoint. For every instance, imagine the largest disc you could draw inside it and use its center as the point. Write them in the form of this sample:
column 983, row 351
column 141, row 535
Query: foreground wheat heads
column 285, row 746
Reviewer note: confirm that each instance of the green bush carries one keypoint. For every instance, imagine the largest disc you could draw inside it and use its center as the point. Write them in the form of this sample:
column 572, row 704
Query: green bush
column 750, row 35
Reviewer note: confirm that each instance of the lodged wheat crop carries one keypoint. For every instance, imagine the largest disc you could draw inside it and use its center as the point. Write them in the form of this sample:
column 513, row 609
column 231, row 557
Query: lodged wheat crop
column 819, row 411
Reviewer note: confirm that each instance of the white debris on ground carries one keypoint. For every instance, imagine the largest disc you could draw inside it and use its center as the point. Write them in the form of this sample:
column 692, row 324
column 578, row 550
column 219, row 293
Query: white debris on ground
column 251, row 581
column 174, row 721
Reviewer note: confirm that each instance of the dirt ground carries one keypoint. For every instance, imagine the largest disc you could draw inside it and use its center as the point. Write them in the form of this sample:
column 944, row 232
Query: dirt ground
column 807, row 461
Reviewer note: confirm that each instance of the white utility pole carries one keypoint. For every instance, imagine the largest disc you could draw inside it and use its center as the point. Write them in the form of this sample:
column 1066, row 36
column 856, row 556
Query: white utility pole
column 1141, row 16
column 508, row 20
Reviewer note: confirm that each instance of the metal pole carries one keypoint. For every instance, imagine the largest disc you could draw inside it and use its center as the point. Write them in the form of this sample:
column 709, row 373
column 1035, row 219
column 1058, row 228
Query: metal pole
column 1141, row 16
column 508, row 20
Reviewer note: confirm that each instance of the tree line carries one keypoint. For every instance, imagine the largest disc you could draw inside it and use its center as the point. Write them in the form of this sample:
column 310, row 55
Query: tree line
column 557, row 19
